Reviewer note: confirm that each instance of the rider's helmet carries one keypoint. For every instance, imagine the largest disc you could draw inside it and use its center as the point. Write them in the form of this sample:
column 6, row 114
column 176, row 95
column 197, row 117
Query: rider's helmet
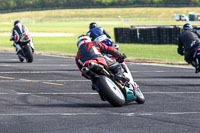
column 187, row 26
column 82, row 39
column 93, row 25
column 16, row 22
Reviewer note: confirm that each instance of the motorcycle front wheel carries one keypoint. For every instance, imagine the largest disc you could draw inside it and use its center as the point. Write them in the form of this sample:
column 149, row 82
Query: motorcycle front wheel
column 140, row 99
column 111, row 91
column 28, row 54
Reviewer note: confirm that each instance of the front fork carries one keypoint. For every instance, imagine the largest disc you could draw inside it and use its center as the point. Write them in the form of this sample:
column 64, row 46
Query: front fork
column 197, row 64
column 31, row 44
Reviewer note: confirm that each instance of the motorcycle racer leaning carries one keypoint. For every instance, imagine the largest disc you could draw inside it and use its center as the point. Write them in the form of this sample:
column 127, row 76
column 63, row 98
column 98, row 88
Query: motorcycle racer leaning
column 99, row 34
column 188, row 40
column 88, row 50
column 17, row 31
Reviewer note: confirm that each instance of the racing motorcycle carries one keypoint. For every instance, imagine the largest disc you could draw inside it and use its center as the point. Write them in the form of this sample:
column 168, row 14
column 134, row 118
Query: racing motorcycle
column 103, row 81
column 26, row 51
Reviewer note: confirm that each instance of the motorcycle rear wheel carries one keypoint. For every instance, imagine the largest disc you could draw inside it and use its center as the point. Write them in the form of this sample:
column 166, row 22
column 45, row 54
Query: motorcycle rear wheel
column 110, row 91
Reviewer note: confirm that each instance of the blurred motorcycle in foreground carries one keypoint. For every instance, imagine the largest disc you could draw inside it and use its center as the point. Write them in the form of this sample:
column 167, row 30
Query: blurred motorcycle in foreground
column 115, row 92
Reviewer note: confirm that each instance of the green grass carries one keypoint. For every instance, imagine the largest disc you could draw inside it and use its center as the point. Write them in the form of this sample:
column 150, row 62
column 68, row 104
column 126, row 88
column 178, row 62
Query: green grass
column 55, row 45
column 77, row 21
column 5, row 44
column 100, row 13
column 166, row 53
column 67, row 46
column 67, row 20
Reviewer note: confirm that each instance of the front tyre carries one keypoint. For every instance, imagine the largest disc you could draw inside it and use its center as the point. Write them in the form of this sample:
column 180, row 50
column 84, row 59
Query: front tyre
column 140, row 99
column 111, row 91
column 28, row 54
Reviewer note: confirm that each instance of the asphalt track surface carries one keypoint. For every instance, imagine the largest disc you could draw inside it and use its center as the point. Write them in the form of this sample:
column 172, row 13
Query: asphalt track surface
column 50, row 96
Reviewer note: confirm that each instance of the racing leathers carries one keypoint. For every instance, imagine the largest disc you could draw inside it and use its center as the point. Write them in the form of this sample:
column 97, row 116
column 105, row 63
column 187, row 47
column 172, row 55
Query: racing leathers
column 188, row 40
column 17, row 31
column 92, row 50
column 99, row 34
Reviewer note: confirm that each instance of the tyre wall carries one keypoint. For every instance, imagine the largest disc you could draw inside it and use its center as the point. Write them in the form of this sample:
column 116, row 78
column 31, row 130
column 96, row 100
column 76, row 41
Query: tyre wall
column 148, row 35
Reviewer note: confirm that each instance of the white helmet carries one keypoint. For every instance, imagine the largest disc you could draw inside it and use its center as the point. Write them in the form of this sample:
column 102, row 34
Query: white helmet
column 82, row 39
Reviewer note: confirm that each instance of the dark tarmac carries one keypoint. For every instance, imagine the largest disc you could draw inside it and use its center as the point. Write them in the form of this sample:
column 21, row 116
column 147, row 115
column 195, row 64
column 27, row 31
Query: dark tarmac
column 50, row 96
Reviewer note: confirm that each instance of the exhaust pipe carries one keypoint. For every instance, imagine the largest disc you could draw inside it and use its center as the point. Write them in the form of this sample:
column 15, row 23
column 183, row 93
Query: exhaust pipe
column 88, row 72
column 96, row 66
column 85, row 70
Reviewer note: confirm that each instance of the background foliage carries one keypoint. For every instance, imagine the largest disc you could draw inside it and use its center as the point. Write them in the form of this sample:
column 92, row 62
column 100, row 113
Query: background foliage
column 37, row 4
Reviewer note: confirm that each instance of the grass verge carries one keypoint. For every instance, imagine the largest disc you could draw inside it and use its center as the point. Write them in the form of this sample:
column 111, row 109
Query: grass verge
column 135, row 52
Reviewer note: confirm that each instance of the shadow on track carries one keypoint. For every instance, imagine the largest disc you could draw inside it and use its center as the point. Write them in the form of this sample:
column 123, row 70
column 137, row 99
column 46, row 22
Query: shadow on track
column 10, row 62
column 72, row 70
column 73, row 105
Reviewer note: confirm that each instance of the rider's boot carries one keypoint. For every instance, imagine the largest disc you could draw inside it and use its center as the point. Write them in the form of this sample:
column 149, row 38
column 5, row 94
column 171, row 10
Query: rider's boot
column 20, row 56
column 197, row 69
column 121, row 79
column 94, row 87
column 196, row 66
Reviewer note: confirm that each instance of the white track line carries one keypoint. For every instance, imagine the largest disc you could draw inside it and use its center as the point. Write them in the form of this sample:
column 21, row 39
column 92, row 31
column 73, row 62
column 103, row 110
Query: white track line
column 12, row 81
column 146, row 64
column 167, row 71
column 86, row 114
column 73, row 93
column 65, row 57
column 37, row 72
column 159, row 92
column 37, row 65
column 162, row 65
column 150, row 71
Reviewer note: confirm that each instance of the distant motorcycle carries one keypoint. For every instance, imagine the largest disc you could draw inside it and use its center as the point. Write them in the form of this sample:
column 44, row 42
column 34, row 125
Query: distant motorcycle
column 26, row 50
column 116, row 93
column 196, row 58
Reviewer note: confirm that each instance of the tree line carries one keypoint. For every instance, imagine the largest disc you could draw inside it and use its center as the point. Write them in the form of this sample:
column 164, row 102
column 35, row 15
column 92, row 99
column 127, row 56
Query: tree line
column 38, row 4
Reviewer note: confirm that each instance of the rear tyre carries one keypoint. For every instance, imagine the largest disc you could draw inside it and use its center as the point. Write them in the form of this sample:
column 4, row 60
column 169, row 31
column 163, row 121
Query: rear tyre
column 140, row 99
column 28, row 54
column 110, row 91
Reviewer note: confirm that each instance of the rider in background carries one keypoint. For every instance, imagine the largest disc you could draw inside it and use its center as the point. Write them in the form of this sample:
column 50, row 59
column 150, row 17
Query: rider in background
column 188, row 40
column 99, row 34
column 17, row 31
column 88, row 50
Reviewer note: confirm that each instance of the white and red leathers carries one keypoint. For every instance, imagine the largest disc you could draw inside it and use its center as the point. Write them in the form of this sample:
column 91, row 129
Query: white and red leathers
column 17, row 31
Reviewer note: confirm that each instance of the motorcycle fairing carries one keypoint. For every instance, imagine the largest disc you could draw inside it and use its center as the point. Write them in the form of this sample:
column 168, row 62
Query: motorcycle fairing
column 99, row 60
column 197, row 52
column 130, row 92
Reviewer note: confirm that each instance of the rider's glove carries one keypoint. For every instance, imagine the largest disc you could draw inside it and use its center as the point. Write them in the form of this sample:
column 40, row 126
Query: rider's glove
column 180, row 51
column 122, row 57
column 11, row 39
